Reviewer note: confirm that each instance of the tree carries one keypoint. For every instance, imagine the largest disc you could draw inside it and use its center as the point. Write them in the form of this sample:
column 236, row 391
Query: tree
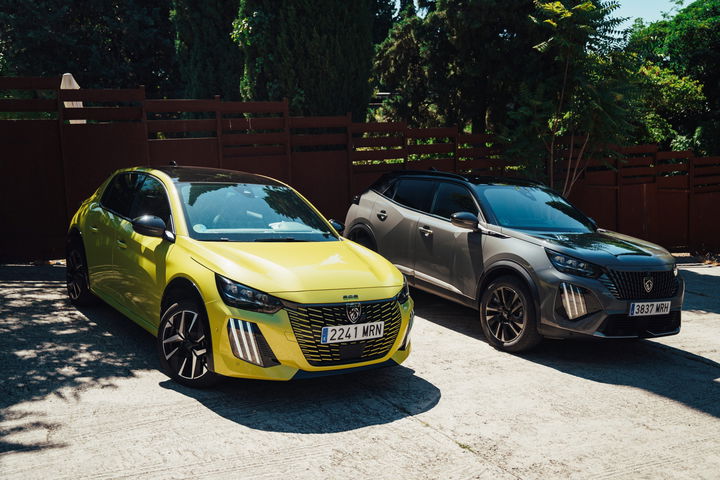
column 120, row 43
column 316, row 53
column 209, row 60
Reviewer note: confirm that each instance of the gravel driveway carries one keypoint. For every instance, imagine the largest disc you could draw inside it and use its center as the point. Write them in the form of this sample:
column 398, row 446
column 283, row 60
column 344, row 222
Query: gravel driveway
column 81, row 397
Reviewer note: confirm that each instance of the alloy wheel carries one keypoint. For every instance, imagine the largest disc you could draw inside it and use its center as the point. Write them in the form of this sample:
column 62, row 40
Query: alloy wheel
column 505, row 314
column 76, row 276
column 184, row 346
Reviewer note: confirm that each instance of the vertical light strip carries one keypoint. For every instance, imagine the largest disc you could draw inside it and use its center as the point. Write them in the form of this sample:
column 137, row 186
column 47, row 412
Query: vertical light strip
column 566, row 300
column 246, row 354
column 233, row 329
column 253, row 343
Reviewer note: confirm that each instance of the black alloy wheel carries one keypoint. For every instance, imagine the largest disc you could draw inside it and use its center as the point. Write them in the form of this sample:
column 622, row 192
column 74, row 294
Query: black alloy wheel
column 507, row 315
column 183, row 345
column 76, row 275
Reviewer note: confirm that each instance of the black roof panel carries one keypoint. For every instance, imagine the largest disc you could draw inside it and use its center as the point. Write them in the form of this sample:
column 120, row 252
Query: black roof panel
column 214, row 175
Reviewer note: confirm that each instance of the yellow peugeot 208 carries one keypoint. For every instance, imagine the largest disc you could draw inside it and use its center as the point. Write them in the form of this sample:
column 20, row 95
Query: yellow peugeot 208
column 235, row 274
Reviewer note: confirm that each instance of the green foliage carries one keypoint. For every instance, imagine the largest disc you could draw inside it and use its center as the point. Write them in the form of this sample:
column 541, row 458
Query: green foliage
column 316, row 53
column 104, row 44
column 210, row 62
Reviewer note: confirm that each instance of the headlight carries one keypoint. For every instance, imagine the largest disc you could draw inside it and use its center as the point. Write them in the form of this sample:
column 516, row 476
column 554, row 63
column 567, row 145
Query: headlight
column 574, row 266
column 404, row 294
column 238, row 295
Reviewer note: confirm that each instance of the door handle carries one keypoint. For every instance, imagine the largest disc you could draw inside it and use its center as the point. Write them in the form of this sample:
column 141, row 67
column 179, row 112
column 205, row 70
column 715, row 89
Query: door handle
column 121, row 244
column 382, row 215
column 425, row 230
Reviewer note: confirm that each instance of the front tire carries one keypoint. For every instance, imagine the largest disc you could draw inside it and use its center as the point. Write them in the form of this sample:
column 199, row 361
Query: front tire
column 183, row 344
column 77, row 279
column 508, row 317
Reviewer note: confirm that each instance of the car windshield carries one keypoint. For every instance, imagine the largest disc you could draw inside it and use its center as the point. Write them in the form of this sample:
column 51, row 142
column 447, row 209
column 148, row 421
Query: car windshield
column 531, row 208
column 239, row 212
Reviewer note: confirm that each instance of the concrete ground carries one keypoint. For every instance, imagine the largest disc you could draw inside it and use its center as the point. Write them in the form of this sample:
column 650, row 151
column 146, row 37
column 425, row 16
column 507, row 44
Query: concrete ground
column 81, row 397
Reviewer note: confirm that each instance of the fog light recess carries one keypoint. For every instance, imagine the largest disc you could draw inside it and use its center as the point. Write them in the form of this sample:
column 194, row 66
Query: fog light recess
column 575, row 302
column 248, row 343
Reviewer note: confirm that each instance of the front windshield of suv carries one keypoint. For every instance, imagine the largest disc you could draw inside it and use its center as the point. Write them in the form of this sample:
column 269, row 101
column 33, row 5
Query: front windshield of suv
column 239, row 212
column 531, row 208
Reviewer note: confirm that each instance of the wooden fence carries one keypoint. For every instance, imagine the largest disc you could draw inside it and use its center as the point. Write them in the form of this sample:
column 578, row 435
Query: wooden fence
column 59, row 145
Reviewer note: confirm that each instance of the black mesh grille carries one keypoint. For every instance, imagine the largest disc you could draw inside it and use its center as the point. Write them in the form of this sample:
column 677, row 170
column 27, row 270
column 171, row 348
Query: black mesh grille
column 307, row 323
column 631, row 285
column 626, row 326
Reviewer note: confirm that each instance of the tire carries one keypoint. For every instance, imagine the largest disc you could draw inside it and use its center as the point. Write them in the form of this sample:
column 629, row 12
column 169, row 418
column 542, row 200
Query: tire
column 77, row 279
column 364, row 238
column 508, row 317
column 182, row 345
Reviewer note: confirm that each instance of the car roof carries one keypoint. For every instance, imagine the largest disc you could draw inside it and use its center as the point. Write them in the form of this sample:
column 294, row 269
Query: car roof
column 213, row 175
column 474, row 179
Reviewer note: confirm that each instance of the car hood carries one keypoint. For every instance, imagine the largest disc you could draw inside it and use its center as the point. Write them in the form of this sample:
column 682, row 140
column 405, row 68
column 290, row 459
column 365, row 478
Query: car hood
column 607, row 248
column 278, row 267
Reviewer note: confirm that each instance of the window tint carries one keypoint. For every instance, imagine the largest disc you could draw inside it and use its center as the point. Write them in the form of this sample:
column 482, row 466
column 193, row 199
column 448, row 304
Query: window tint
column 384, row 186
column 151, row 199
column 452, row 198
column 414, row 193
column 119, row 194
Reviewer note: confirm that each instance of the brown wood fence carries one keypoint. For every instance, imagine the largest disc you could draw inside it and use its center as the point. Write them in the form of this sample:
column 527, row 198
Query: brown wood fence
column 56, row 151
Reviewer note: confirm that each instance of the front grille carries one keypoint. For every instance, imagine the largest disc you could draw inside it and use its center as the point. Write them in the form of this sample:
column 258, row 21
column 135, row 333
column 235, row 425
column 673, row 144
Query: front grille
column 627, row 326
column 308, row 320
column 631, row 285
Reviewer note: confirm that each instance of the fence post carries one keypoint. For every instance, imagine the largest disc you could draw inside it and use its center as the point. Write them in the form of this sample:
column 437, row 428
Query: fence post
column 349, row 148
column 288, row 149
column 691, row 204
column 143, row 120
column 455, row 149
column 61, row 141
column 218, row 131
column 405, row 144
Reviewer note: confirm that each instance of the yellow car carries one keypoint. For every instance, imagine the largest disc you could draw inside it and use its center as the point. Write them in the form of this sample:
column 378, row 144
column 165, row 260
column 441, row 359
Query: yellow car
column 236, row 275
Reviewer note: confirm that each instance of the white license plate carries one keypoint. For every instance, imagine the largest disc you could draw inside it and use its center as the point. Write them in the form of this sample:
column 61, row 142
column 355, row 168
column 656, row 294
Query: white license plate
column 351, row 333
column 649, row 308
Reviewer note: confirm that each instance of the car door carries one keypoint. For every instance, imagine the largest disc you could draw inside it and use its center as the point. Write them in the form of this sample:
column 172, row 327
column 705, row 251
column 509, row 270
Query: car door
column 102, row 224
column 448, row 257
column 395, row 218
column 140, row 259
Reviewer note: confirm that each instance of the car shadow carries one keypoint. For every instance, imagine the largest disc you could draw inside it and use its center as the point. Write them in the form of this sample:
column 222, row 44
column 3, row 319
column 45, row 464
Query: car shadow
column 701, row 291
column 319, row 405
column 49, row 347
column 664, row 370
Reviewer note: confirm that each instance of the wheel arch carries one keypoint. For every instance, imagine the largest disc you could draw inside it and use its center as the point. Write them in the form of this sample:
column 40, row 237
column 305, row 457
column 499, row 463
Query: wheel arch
column 507, row 267
column 360, row 229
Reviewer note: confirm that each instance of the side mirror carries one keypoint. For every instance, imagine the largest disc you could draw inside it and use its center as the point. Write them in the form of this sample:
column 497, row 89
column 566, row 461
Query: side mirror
column 593, row 223
column 339, row 227
column 464, row 220
column 149, row 225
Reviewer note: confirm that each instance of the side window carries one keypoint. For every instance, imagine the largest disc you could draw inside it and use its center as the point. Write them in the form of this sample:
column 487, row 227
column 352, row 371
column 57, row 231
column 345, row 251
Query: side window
column 452, row 198
column 151, row 199
column 414, row 193
column 119, row 194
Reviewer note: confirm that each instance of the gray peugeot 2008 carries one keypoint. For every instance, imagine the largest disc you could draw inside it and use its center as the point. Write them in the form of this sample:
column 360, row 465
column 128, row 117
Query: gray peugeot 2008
column 529, row 261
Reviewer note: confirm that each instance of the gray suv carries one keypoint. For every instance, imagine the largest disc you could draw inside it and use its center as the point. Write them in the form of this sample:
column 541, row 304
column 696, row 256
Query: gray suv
column 529, row 261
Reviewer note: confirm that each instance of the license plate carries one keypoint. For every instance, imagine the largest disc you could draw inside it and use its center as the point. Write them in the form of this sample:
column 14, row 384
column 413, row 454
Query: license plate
column 351, row 333
column 649, row 308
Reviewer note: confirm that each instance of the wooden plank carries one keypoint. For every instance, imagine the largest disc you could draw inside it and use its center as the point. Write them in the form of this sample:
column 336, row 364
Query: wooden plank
column 28, row 105
column 378, row 167
column 103, row 95
column 706, row 189
column 638, row 172
column 377, row 127
column 254, row 138
column 671, row 167
column 265, row 158
column 29, row 83
column 699, row 162
column 709, row 180
column 232, row 151
column 326, row 139
column 674, row 155
column 318, row 122
column 476, row 138
column 430, row 149
column 637, row 149
column 631, row 162
column 431, row 132
column 673, row 182
column 252, row 107
column 379, row 142
column 207, row 125
column 476, row 152
column 709, row 170
column 180, row 105
column 259, row 123
column 103, row 114
column 378, row 154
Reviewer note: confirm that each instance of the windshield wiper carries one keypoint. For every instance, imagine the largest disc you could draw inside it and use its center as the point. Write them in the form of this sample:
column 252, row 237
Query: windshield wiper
column 280, row 239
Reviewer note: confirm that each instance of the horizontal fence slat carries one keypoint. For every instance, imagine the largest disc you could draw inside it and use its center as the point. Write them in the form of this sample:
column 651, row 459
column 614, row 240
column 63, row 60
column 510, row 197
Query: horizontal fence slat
column 326, row 139
column 476, row 138
column 378, row 127
column 379, row 142
column 103, row 95
column 477, row 152
column 378, row 154
column 181, row 105
column 233, row 151
column 260, row 123
column 28, row 105
column 318, row 122
column 674, row 155
column 174, row 126
column 253, row 138
column 699, row 162
column 431, row 132
column 29, row 83
column 429, row 149
column 266, row 159
column 671, row 167
column 252, row 107
column 103, row 114
column 709, row 180
column 638, row 172
column 639, row 149
column 709, row 170
column 377, row 167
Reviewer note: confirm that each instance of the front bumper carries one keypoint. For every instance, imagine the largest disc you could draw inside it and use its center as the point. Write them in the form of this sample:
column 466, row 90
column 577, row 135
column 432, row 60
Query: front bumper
column 286, row 359
column 607, row 316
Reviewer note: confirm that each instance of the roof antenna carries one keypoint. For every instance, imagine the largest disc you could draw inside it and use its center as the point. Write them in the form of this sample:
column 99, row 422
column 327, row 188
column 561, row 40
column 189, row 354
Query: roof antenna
column 173, row 163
